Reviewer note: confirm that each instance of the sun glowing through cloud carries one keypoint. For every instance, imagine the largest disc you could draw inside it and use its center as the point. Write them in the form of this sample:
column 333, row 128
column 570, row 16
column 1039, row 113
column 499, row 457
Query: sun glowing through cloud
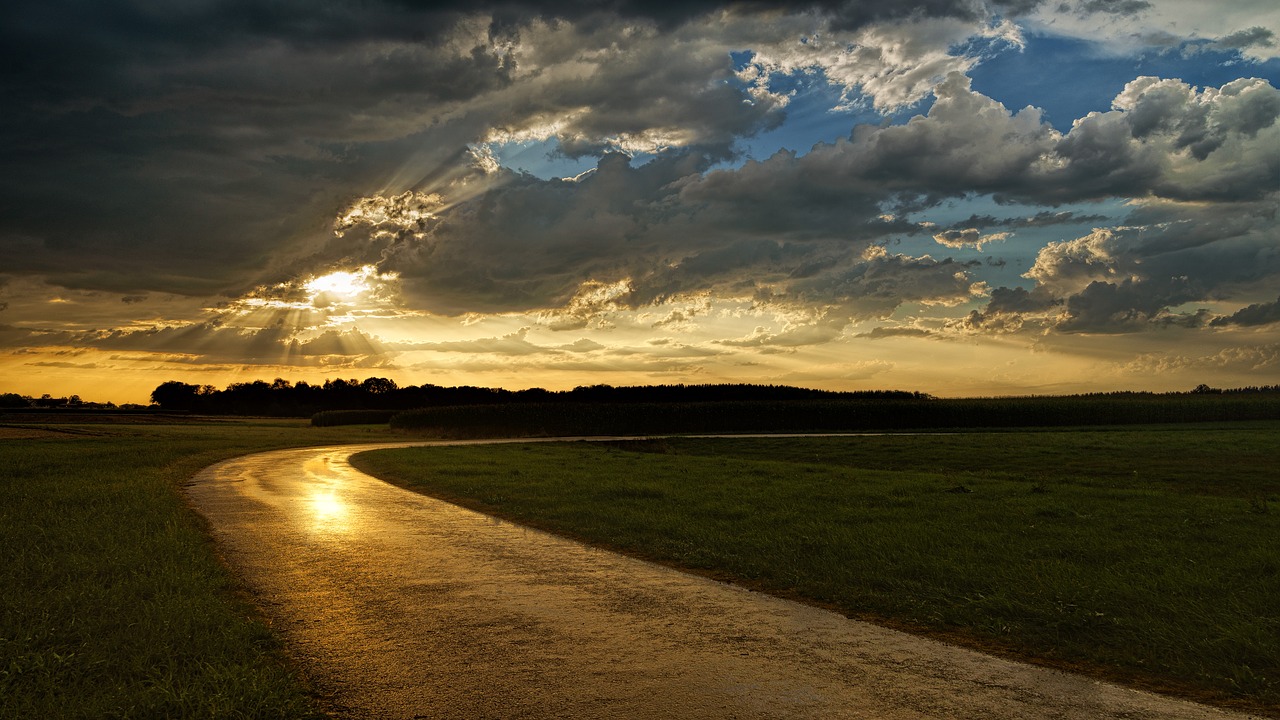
column 364, row 290
column 345, row 285
column 346, row 294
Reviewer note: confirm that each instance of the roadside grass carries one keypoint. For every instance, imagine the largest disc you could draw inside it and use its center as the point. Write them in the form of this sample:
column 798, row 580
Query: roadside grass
column 1146, row 555
column 113, row 603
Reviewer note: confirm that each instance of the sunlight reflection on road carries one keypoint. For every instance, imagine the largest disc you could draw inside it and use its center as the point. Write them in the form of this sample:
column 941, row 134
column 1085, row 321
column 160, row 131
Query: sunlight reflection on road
column 327, row 510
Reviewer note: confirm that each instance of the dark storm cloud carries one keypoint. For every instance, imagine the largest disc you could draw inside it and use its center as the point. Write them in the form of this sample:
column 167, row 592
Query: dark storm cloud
column 880, row 333
column 969, row 143
column 188, row 148
column 614, row 87
column 845, row 14
column 883, row 282
column 117, row 31
column 736, row 266
column 1254, row 37
column 118, row 54
column 1256, row 314
column 205, row 148
column 795, row 227
column 179, row 340
column 529, row 243
column 1128, row 305
column 1044, row 218
column 209, row 342
column 1007, row 307
column 1113, row 7
column 184, row 147
column 1133, row 276
column 181, row 147
column 1019, row 300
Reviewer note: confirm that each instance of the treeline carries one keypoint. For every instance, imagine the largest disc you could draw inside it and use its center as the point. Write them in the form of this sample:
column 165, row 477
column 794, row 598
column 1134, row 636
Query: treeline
column 14, row 401
column 285, row 399
column 377, row 399
column 1247, row 390
column 604, row 409
column 849, row 415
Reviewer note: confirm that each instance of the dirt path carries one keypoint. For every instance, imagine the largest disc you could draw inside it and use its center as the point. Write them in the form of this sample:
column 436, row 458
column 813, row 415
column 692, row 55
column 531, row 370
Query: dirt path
column 397, row 605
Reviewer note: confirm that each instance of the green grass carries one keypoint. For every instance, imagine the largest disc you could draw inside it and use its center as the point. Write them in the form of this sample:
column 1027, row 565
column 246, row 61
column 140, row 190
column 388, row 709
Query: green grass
column 1148, row 555
column 112, row 601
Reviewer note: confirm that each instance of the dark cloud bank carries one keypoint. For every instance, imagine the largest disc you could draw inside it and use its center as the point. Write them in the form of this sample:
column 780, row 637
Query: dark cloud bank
column 206, row 149
column 800, row 227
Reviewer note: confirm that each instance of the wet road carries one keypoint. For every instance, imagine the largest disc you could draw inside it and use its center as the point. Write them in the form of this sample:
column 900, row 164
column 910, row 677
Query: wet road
column 398, row 605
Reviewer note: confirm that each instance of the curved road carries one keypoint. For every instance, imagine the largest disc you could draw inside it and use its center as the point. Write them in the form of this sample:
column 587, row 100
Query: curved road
column 397, row 605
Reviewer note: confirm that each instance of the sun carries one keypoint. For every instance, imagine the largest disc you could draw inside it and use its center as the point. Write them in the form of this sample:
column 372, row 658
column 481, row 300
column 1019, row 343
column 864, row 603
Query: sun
column 344, row 285
column 363, row 287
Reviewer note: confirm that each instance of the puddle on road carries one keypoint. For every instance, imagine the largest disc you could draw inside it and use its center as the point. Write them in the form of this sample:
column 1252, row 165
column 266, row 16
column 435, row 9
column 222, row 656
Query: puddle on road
column 325, row 504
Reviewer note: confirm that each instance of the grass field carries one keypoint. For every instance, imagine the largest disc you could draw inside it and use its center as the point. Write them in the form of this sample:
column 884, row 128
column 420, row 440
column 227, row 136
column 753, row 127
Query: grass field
column 112, row 602
column 1148, row 555
column 1144, row 554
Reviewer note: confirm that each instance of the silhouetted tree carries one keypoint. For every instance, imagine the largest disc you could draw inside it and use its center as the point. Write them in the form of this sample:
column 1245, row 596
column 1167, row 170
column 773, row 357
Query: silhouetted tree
column 174, row 395
column 378, row 386
column 14, row 400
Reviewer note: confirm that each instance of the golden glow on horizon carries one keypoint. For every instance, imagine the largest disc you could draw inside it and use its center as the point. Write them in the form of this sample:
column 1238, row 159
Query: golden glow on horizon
column 347, row 323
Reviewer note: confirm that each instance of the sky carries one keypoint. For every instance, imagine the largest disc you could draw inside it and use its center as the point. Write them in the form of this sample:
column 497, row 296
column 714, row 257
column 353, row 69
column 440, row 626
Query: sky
column 958, row 197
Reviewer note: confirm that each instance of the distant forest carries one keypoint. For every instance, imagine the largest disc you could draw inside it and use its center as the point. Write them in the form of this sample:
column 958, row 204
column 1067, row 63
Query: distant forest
column 281, row 398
